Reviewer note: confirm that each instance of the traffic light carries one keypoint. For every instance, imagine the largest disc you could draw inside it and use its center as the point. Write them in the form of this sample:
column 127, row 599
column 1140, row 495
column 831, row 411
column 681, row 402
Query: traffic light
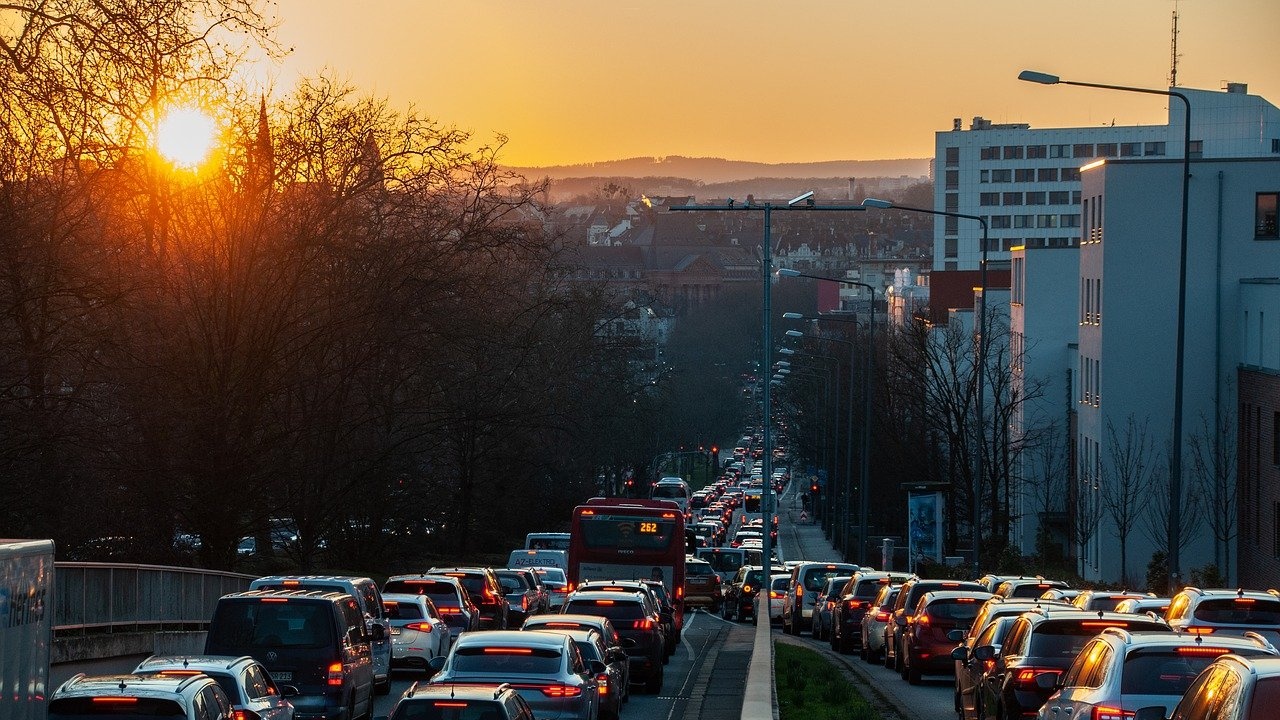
column 813, row 488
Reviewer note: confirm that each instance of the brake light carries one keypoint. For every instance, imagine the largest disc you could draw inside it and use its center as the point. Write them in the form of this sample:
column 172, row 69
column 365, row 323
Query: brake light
column 1244, row 601
column 799, row 593
column 1026, row 677
column 446, row 703
column 645, row 624
column 679, row 591
column 1095, row 623
column 334, row 675
column 855, row 604
column 604, row 602
column 668, row 515
column 1200, row 630
column 243, row 714
column 115, row 700
column 561, row 691
column 747, row 588
column 965, row 600
column 507, row 651
column 449, row 610
column 179, row 673
column 774, row 594
column 882, row 616
column 602, row 682
column 1202, row 651
column 274, row 600
column 524, row 602
column 923, row 619
column 291, row 583
column 1111, row 713
column 419, row 627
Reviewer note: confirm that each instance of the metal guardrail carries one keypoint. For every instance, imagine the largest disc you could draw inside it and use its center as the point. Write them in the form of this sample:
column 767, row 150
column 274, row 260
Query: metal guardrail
column 104, row 597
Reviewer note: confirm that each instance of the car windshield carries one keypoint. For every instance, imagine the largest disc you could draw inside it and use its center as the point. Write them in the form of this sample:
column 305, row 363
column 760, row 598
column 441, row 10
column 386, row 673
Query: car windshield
column 448, row 709
column 506, row 660
column 84, row 708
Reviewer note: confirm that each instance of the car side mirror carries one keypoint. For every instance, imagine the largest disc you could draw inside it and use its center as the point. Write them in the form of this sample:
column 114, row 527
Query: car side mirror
column 900, row 620
column 1048, row 680
column 984, row 653
column 666, row 616
column 955, row 635
column 598, row 667
column 615, row 654
column 961, row 654
column 288, row 690
column 379, row 631
column 436, row 663
column 628, row 643
column 1151, row 712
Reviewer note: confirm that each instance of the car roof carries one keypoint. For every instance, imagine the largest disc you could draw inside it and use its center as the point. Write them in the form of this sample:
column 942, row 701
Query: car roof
column 353, row 579
column 468, row 691
column 130, row 685
column 568, row 617
column 509, row 637
column 288, row 594
column 1263, row 667
column 201, row 663
column 978, row 596
column 1148, row 638
column 406, row 598
column 575, row 634
column 636, row 596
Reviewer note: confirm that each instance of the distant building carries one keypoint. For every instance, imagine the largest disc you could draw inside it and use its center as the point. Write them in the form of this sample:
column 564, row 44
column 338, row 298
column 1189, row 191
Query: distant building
column 1258, row 378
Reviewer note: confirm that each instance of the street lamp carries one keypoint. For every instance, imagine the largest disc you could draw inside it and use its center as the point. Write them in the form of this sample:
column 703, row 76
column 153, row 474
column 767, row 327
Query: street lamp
column 1175, row 454
column 980, row 361
column 865, row 460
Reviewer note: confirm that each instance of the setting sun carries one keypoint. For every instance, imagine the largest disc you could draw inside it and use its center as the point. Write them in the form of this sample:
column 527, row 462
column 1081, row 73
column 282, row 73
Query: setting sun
column 185, row 136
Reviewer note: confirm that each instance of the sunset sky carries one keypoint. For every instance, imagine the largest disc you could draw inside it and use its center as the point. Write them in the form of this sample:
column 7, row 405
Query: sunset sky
column 572, row 81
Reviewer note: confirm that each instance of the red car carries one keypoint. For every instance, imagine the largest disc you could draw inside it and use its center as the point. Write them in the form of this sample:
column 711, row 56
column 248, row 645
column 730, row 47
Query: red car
column 927, row 649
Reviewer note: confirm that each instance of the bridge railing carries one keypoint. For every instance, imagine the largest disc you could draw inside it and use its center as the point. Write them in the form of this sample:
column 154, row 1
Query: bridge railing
column 105, row 597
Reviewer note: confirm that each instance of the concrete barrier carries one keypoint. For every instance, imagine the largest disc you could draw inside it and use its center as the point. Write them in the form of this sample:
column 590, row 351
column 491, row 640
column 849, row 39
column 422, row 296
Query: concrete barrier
column 83, row 648
column 759, row 701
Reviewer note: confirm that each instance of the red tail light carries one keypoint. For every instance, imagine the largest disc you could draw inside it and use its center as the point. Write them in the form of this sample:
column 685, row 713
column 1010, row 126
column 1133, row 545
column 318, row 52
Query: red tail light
column 334, row 676
column 923, row 620
column 855, row 605
column 419, row 627
column 645, row 624
column 1203, row 651
column 882, row 616
column 775, row 595
column 1111, row 713
column 524, row 602
column 1026, row 677
column 799, row 593
column 602, row 683
column 561, row 691
column 244, row 714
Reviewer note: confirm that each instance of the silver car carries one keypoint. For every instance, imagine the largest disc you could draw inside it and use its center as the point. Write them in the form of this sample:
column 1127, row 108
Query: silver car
column 546, row 668
column 874, row 622
column 246, row 682
column 418, row 632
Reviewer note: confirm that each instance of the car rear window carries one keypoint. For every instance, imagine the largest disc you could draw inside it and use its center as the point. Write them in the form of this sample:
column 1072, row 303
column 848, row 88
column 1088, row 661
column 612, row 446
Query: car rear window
column 698, row 570
column 512, row 583
column 441, row 593
column 402, row 610
column 253, row 624
column 1169, row 671
column 79, row 708
column 1032, row 590
column 448, row 709
column 1239, row 611
column 473, row 583
column 506, row 660
column 961, row 610
column 1064, row 639
column 612, row 609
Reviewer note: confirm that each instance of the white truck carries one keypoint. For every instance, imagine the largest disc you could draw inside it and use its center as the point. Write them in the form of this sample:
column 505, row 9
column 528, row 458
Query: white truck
column 26, row 627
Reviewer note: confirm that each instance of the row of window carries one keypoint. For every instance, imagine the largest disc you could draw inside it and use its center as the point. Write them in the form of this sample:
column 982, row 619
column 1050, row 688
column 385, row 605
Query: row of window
column 1026, row 175
column 949, row 245
column 1072, row 150
column 1005, row 222
column 1035, row 197
column 1090, row 381
column 1090, row 301
column 1092, row 214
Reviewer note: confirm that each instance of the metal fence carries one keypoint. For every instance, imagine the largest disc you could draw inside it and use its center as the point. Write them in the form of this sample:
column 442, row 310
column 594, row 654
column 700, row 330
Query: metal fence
column 104, row 597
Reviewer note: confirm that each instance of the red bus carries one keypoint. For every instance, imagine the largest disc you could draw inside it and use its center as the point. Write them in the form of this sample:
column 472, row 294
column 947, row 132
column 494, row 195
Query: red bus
column 625, row 539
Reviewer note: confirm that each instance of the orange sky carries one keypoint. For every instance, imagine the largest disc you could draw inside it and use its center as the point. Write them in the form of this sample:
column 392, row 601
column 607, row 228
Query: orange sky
column 573, row 81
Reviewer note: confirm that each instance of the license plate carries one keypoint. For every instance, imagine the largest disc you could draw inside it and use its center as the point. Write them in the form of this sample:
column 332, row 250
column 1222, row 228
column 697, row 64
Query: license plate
column 395, row 631
column 282, row 676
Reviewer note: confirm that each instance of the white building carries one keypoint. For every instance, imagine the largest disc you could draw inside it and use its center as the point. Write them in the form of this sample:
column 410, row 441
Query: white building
column 1127, row 310
column 1026, row 183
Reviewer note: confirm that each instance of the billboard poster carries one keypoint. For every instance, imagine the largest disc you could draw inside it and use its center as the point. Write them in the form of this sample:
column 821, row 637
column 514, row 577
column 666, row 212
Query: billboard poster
column 924, row 511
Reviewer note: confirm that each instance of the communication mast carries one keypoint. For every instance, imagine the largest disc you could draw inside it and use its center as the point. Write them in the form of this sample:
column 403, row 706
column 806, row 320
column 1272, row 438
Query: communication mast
column 1173, row 53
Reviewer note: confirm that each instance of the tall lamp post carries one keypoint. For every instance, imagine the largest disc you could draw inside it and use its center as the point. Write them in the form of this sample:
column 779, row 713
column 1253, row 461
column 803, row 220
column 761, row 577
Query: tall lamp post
column 1174, row 528
column 827, row 444
column 805, row 201
column 980, row 361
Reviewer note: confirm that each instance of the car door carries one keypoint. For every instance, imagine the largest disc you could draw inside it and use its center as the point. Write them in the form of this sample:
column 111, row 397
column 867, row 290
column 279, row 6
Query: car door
column 991, row 683
column 1080, row 683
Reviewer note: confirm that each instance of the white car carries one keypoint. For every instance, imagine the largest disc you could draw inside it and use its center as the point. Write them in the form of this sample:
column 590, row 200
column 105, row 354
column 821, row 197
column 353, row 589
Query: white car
column 777, row 593
column 418, row 634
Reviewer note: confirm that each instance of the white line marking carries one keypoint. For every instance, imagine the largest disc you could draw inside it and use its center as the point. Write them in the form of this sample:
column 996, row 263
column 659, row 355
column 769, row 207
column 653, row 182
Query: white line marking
column 684, row 635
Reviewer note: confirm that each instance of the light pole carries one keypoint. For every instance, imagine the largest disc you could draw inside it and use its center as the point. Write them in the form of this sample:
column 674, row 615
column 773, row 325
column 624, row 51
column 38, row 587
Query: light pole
column 980, row 366
column 805, row 201
column 867, row 387
column 1174, row 528
column 828, row 445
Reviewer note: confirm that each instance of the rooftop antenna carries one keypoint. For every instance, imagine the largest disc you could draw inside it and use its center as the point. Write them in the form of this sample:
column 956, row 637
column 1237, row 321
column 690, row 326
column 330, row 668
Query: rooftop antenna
column 1173, row 52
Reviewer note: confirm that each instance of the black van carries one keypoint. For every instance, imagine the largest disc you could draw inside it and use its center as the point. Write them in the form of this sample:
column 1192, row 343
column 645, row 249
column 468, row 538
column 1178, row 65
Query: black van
column 314, row 641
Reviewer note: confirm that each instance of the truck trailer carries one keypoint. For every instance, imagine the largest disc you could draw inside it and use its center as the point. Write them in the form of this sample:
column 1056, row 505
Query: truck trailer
column 26, row 627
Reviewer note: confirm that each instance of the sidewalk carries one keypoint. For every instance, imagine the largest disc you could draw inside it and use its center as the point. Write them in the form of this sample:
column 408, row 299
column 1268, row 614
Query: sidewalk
column 801, row 540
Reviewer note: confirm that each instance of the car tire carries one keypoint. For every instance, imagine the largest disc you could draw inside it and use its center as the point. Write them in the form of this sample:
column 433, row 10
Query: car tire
column 653, row 684
column 913, row 676
column 384, row 687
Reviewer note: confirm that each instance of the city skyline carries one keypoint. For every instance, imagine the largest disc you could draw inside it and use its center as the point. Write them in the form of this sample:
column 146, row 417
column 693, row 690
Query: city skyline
column 573, row 81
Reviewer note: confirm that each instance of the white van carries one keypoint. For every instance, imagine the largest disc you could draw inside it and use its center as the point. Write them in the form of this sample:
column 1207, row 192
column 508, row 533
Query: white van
column 546, row 541
column 539, row 558
column 673, row 489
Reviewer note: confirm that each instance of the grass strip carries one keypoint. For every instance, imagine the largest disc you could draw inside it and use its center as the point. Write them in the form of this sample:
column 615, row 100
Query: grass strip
column 811, row 688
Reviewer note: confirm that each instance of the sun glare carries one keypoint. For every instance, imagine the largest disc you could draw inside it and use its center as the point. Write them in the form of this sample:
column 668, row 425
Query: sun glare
column 185, row 136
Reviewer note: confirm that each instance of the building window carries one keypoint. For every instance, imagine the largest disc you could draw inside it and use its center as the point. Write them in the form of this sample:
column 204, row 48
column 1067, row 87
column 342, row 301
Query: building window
column 1264, row 225
column 952, row 201
column 1131, row 149
column 987, row 199
column 1035, row 198
column 1012, row 152
column 951, row 225
column 1059, row 151
column 1275, row 438
column 1082, row 150
column 1061, row 242
column 1195, row 148
column 1108, row 150
column 1011, row 198
column 1024, row 221
column 1001, row 222
column 952, row 156
column 984, row 176
column 990, row 153
column 1275, row 145
column 1070, row 174
column 1036, row 152
column 1046, row 221
column 1001, row 176
column 1059, row 197
column 1024, row 175
column 1047, row 174
column 1075, row 197
column 949, row 265
column 1153, row 148
column 949, row 247
column 1033, row 242
column 953, row 179
column 1069, row 221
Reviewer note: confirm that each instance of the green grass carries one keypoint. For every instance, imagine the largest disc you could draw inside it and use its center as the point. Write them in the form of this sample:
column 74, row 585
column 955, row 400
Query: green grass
column 811, row 688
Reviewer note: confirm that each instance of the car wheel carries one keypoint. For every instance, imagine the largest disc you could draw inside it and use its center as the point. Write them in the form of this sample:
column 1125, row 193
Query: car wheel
column 913, row 676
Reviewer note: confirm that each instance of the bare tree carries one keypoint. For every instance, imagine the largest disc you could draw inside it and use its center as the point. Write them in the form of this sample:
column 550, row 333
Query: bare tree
column 1155, row 522
column 1214, row 455
column 1126, row 478
column 1047, row 487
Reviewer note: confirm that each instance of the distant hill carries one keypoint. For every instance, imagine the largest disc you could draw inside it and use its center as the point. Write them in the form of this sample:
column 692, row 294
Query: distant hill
column 719, row 170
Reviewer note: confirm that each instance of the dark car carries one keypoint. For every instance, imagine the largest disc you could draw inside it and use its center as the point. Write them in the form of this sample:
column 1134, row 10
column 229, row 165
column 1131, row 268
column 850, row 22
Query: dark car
column 672, row 621
column 741, row 592
column 522, row 593
column 491, row 701
column 825, row 604
column 1044, row 641
column 927, row 641
column 486, row 593
column 854, row 601
column 448, row 594
column 702, row 585
column 612, row 684
column 637, row 621
column 905, row 605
